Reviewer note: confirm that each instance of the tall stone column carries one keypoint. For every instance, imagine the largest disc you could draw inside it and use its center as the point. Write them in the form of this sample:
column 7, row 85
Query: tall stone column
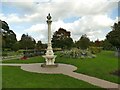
column 49, row 48
column 49, row 55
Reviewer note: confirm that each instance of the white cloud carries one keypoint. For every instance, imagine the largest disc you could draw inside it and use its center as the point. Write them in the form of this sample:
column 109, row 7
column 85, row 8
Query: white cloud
column 18, row 36
column 38, row 31
column 13, row 18
column 61, row 9
column 36, row 28
column 2, row 17
column 103, row 20
column 93, row 15
column 93, row 26
column 17, row 1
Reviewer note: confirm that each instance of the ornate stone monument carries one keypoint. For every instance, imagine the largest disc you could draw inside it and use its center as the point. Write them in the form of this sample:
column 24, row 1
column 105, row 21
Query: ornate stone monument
column 49, row 55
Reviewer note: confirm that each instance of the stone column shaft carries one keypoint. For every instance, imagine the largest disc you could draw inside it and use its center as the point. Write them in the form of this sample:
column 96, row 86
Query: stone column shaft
column 49, row 31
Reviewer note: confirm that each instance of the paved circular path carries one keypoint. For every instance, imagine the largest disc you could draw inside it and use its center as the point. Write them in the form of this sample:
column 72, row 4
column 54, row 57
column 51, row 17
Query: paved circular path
column 62, row 68
column 66, row 70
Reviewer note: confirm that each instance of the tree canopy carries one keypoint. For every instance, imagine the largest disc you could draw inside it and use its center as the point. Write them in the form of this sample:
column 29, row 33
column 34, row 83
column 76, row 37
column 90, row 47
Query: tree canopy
column 83, row 42
column 27, row 42
column 114, row 35
column 40, row 45
column 8, row 36
column 62, row 39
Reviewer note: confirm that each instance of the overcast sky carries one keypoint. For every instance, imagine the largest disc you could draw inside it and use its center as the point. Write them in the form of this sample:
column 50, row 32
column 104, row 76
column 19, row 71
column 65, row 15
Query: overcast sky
column 91, row 17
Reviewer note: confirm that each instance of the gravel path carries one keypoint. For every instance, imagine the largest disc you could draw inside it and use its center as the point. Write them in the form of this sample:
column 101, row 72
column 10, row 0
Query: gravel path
column 66, row 70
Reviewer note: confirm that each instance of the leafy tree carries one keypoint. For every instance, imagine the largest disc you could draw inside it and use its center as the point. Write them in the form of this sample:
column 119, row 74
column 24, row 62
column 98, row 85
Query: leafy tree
column 98, row 43
column 107, row 46
column 16, row 46
column 8, row 36
column 27, row 42
column 62, row 39
column 44, row 46
column 83, row 42
column 4, row 25
column 114, row 36
column 39, row 45
column 10, row 39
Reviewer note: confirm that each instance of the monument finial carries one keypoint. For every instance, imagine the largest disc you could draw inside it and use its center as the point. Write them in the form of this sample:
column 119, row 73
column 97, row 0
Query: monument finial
column 49, row 17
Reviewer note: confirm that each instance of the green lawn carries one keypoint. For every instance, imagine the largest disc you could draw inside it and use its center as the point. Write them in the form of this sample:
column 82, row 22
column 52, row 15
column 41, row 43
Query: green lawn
column 14, row 77
column 99, row 67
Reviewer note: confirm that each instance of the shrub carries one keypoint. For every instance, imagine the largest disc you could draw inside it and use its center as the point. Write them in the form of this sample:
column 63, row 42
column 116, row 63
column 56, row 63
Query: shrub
column 4, row 54
column 77, row 53
column 95, row 50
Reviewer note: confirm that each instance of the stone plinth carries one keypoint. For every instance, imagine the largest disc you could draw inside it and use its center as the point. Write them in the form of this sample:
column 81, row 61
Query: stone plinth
column 50, row 59
column 49, row 66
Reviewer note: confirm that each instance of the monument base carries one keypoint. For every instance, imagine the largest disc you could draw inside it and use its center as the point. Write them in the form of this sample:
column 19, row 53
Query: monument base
column 50, row 59
column 47, row 66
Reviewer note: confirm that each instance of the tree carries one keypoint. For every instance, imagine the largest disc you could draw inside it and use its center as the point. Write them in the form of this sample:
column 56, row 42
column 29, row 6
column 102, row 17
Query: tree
column 83, row 42
column 114, row 36
column 107, row 46
column 27, row 42
column 97, row 43
column 39, row 45
column 62, row 39
column 16, row 46
column 8, row 36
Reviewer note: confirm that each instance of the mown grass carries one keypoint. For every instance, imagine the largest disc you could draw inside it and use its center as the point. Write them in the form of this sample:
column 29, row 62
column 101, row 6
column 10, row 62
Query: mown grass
column 14, row 77
column 101, row 67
